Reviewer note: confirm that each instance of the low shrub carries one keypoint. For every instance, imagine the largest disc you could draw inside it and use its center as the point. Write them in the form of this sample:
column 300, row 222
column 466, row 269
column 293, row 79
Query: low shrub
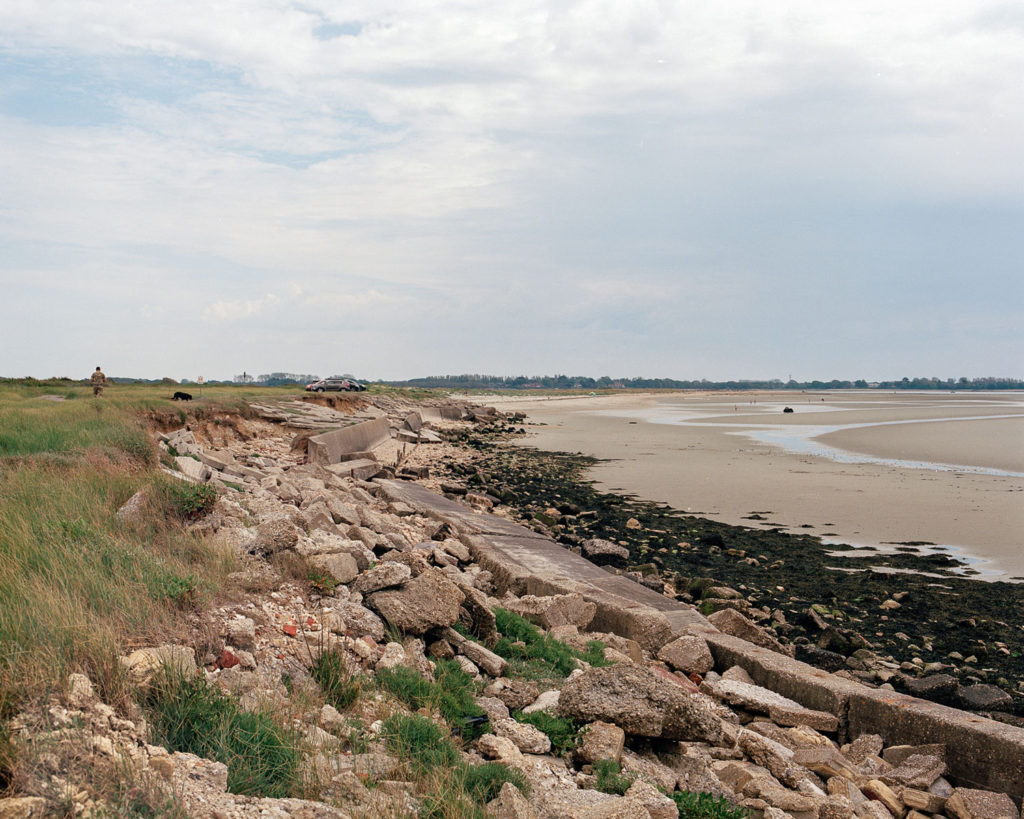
column 610, row 778
column 189, row 715
column 562, row 731
column 340, row 686
column 706, row 806
column 186, row 500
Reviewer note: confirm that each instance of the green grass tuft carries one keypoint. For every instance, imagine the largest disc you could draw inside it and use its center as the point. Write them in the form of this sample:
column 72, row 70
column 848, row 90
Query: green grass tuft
column 536, row 654
column 562, row 731
column 340, row 687
column 191, row 716
column 706, row 806
column 420, row 741
column 450, row 693
column 463, row 791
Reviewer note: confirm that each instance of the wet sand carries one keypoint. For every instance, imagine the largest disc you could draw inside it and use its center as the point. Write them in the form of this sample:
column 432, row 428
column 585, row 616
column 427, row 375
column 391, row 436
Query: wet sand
column 723, row 457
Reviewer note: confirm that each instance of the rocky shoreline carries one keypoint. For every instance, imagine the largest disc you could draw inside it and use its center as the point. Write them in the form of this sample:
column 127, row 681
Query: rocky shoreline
column 560, row 720
column 918, row 627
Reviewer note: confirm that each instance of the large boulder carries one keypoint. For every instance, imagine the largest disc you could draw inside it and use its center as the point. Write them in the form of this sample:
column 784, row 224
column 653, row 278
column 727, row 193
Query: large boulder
column 641, row 703
column 383, row 575
column 340, row 566
column 353, row 620
column 428, row 601
column 605, row 553
column 554, row 610
column 983, row 697
column 600, row 740
column 967, row 803
column 274, row 536
column 527, row 738
column 688, row 654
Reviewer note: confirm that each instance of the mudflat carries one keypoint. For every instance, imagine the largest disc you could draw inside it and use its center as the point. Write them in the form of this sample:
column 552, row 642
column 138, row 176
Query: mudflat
column 864, row 468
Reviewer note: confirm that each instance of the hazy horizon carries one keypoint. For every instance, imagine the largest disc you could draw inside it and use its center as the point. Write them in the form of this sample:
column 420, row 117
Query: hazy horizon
column 737, row 188
column 614, row 378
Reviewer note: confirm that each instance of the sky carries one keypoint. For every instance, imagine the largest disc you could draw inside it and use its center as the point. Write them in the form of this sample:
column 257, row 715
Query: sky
column 686, row 189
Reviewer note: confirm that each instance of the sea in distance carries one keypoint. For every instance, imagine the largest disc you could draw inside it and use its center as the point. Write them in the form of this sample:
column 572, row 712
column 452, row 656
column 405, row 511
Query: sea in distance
column 943, row 472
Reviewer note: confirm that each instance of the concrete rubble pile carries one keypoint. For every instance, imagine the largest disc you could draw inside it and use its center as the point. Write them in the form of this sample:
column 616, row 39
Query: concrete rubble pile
column 397, row 583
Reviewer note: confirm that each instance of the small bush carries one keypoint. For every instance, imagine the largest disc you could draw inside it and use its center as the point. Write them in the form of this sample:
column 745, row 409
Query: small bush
column 340, row 687
column 166, row 585
column 706, row 806
column 186, row 500
column 420, row 741
column 562, row 731
column 321, row 581
column 609, row 778
column 189, row 715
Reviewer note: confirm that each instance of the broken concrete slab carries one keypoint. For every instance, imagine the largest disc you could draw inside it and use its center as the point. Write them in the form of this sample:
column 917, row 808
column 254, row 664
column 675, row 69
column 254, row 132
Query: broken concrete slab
column 192, row 469
column 328, row 447
column 982, row 752
column 361, row 470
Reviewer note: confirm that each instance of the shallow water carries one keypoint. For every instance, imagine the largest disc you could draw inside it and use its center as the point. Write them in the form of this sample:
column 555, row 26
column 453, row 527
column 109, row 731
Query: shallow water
column 801, row 439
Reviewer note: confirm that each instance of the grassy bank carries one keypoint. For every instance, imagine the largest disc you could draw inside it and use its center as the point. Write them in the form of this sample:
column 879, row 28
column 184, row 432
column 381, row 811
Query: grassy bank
column 77, row 586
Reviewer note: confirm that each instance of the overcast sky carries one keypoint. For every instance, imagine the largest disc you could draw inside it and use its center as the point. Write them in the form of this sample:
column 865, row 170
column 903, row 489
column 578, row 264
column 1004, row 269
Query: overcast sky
column 711, row 189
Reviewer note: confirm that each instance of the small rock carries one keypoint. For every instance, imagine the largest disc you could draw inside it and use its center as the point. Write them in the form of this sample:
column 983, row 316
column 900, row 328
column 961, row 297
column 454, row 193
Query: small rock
column 600, row 740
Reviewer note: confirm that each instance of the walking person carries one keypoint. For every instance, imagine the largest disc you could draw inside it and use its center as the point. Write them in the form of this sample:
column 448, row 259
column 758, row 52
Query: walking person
column 98, row 381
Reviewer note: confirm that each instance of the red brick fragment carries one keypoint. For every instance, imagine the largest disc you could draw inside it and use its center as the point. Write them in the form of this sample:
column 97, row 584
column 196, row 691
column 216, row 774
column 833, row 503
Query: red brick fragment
column 290, row 629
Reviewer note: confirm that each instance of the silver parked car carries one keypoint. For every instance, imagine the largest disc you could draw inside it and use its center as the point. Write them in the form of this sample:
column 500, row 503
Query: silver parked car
column 335, row 385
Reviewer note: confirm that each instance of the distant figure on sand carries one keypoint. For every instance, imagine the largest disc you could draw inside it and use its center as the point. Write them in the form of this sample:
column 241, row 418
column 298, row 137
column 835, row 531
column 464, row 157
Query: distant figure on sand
column 98, row 381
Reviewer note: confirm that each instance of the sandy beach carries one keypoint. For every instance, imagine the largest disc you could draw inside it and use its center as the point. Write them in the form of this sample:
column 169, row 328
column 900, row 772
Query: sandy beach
column 867, row 469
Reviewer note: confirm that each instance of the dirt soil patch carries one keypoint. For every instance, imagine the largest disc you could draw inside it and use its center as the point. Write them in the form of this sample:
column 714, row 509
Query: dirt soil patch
column 343, row 402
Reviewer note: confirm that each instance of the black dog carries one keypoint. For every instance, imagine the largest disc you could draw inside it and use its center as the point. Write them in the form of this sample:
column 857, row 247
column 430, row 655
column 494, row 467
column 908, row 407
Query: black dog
column 182, row 396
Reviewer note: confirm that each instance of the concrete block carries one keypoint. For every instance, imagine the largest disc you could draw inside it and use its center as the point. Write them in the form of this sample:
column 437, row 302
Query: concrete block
column 981, row 753
column 361, row 470
column 449, row 412
column 216, row 460
column 328, row 447
column 807, row 685
column 191, row 468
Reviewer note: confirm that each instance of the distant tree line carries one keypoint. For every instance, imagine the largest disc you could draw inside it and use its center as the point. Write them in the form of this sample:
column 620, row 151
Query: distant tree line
column 953, row 384
column 477, row 381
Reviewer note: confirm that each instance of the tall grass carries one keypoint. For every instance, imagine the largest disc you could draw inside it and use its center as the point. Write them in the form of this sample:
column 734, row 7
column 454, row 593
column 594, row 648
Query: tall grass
column 76, row 586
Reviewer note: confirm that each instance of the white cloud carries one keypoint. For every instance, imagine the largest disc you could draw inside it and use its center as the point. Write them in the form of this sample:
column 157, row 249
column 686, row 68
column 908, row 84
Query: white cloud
column 558, row 160
column 240, row 308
